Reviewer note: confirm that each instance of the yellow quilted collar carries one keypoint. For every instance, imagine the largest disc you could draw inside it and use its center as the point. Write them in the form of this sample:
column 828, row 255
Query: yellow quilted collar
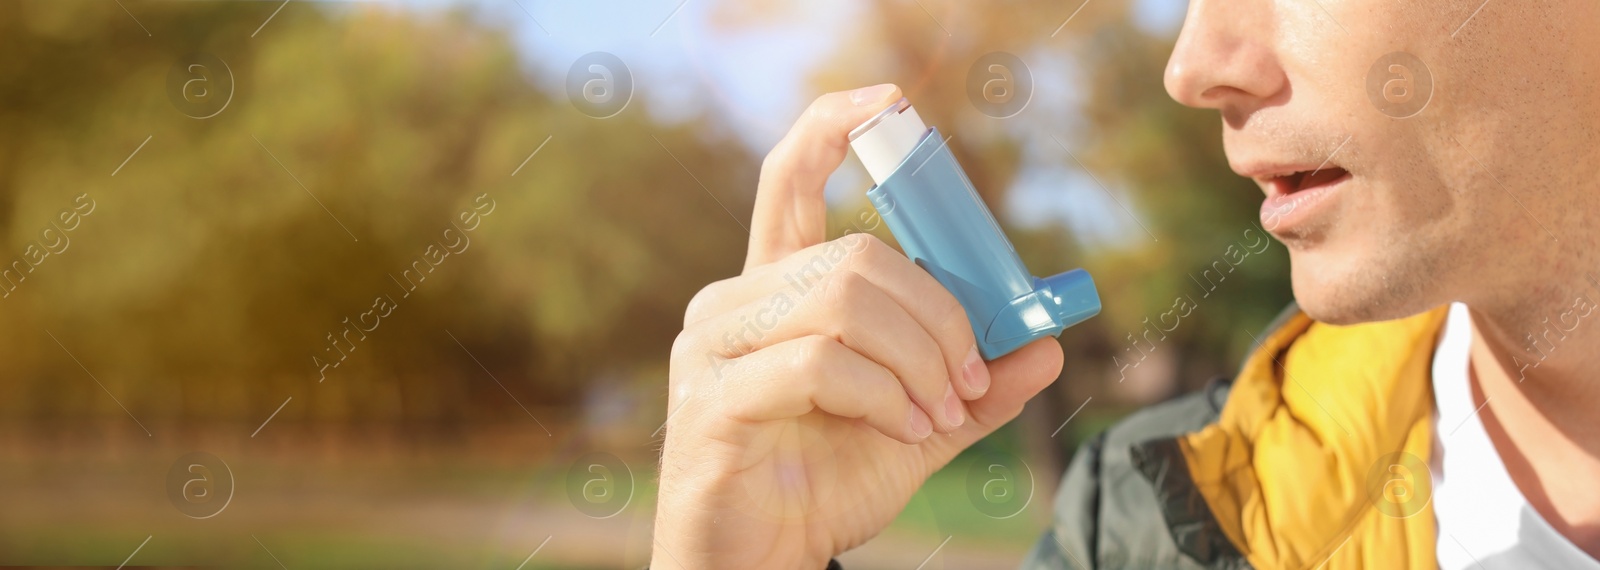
column 1320, row 453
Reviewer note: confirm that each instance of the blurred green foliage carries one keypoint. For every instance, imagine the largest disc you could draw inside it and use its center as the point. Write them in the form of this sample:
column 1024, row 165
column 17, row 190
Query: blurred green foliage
column 208, row 279
column 208, row 282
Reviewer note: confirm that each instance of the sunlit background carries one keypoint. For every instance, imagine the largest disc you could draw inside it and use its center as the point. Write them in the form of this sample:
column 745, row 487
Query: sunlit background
column 369, row 288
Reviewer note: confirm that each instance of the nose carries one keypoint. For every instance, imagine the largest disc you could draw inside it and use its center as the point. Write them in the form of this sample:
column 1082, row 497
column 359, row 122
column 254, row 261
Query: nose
column 1225, row 57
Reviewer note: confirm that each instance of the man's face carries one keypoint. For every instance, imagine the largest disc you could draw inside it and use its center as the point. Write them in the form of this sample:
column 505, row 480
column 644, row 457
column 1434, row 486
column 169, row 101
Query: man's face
column 1393, row 197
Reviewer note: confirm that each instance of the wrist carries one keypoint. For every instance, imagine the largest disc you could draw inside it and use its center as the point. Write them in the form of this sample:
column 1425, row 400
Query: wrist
column 680, row 537
column 692, row 533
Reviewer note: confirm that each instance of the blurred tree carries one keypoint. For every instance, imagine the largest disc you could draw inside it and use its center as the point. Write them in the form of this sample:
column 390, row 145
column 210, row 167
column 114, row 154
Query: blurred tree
column 208, row 278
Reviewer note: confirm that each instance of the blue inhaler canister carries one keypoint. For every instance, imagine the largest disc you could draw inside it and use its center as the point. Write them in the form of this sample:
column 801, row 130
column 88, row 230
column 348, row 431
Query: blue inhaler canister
column 938, row 218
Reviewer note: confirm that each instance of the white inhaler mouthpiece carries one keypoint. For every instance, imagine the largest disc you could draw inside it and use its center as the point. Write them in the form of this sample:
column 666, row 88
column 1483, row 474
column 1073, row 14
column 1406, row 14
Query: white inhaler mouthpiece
column 885, row 140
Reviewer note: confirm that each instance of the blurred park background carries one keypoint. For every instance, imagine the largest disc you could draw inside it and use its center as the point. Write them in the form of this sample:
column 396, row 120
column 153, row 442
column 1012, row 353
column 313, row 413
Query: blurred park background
column 410, row 191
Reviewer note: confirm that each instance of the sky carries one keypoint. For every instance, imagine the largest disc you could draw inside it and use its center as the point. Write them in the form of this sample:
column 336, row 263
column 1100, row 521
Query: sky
column 757, row 78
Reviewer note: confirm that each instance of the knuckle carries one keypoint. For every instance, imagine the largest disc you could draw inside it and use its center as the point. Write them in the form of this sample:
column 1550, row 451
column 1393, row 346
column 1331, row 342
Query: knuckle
column 951, row 319
column 839, row 291
column 684, row 347
column 779, row 162
column 695, row 350
column 769, row 163
column 933, row 367
column 862, row 246
column 683, row 372
column 866, row 251
column 819, row 109
column 704, row 302
column 871, row 243
column 814, row 358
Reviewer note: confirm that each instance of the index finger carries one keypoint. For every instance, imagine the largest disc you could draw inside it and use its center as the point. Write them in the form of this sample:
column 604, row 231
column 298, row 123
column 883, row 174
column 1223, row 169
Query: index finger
column 790, row 213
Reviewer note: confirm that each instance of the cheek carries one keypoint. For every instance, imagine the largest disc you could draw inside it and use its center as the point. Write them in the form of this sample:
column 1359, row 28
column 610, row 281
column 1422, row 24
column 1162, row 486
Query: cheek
column 1511, row 124
column 1408, row 166
column 1342, row 54
column 1401, row 121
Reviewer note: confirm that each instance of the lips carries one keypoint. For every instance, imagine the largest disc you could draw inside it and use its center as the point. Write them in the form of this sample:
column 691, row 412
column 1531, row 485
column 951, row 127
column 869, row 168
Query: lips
column 1297, row 196
column 1301, row 174
column 1306, row 180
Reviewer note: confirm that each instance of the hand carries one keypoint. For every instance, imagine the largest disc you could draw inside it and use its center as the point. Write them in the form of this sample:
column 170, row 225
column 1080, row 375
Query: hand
column 806, row 392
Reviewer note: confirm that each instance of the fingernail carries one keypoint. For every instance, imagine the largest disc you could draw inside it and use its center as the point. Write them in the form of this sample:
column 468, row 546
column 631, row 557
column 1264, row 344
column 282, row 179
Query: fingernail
column 976, row 372
column 869, row 95
column 952, row 408
column 921, row 424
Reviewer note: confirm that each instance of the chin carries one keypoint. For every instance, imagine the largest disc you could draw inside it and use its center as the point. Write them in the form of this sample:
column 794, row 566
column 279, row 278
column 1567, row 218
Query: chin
column 1352, row 291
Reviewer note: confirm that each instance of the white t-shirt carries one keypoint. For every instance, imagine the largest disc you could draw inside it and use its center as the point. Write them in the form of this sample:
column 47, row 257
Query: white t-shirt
column 1484, row 521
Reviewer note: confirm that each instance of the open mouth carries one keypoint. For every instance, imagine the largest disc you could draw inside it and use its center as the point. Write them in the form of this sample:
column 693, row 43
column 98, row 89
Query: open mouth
column 1307, row 179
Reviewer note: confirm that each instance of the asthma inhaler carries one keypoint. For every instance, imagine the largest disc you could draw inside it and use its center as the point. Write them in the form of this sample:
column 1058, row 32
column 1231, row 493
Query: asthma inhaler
column 938, row 218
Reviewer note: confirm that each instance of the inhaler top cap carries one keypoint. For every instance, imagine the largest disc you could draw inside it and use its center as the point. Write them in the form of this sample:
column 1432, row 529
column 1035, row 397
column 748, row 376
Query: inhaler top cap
column 885, row 140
